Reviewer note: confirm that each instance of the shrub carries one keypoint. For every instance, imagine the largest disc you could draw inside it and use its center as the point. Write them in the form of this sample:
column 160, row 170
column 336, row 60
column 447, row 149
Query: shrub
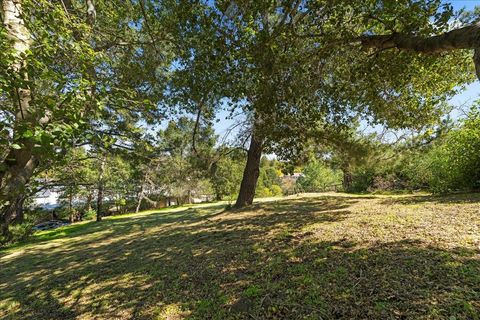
column 89, row 214
column 318, row 177
column 454, row 162
column 263, row 192
column 362, row 180
column 276, row 190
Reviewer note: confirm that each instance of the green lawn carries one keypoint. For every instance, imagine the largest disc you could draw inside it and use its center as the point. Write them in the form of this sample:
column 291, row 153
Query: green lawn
column 313, row 257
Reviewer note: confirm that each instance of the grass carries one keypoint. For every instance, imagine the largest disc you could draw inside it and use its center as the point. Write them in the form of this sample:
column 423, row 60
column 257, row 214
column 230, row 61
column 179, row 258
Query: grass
column 323, row 256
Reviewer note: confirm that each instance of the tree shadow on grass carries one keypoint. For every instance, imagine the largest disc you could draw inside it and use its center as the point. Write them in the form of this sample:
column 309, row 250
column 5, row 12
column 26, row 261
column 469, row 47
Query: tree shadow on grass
column 240, row 265
column 457, row 198
column 120, row 224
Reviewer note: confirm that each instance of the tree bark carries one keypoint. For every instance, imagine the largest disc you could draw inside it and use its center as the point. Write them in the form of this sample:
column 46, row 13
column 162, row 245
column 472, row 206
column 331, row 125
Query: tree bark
column 70, row 207
column 251, row 172
column 140, row 198
column 91, row 12
column 139, row 204
column 19, row 212
column 89, row 201
column 101, row 185
column 20, row 165
column 347, row 178
column 462, row 38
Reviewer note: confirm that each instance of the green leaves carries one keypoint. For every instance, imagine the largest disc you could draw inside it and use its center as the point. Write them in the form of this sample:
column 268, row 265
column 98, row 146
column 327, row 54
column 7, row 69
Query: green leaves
column 28, row 133
column 451, row 162
column 317, row 177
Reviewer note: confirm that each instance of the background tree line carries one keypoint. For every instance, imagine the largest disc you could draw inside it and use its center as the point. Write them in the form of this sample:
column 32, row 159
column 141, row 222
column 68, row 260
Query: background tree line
column 440, row 160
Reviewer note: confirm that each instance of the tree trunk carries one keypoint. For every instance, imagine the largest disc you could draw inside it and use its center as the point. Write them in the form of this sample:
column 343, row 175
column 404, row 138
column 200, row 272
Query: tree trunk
column 89, row 201
column 347, row 178
column 70, row 207
column 139, row 204
column 19, row 164
column 4, row 223
column 101, row 182
column 141, row 193
column 251, row 172
column 213, row 174
column 19, row 212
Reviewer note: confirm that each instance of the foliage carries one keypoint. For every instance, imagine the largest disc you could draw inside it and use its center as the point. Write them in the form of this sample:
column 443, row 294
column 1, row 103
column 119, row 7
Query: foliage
column 21, row 232
column 276, row 190
column 296, row 76
column 453, row 162
column 227, row 177
column 268, row 184
column 184, row 171
column 113, row 103
column 362, row 179
column 317, row 177
column 441, row 159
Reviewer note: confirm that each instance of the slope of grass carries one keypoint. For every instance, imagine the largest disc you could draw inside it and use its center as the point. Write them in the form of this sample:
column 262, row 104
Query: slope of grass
column 319, row 256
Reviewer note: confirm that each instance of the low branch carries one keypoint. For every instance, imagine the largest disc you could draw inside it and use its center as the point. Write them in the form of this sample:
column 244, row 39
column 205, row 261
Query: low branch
column 462, row 38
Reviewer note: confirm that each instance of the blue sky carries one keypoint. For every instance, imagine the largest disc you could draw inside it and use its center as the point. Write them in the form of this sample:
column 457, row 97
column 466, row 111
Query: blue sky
column 471, row 93
column 464, row 99
column 468, row 4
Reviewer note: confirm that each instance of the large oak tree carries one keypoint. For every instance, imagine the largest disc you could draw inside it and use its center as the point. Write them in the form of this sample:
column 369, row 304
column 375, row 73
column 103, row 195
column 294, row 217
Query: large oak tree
column 305, row 69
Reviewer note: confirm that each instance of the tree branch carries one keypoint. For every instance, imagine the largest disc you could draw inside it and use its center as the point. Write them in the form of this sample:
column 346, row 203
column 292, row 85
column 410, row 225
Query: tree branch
column 462, row 38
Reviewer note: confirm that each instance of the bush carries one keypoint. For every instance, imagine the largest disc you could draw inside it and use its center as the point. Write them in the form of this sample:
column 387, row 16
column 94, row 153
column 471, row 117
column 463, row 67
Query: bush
column 21, row 231
column 317, row 177
column 18, row 232
column 362, row 180
column 276, row 190
column 90, row 215
column 387, row 182
column 263, row 192
column 453, row 163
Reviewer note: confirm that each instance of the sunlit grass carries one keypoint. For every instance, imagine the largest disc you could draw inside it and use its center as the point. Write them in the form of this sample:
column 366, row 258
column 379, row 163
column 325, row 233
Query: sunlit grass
column 315, row 256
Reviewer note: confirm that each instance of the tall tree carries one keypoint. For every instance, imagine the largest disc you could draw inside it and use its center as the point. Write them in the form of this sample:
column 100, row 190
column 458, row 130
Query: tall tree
column 70, row 75
column 299, row 70
column 18, row 164
column 46, row 53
